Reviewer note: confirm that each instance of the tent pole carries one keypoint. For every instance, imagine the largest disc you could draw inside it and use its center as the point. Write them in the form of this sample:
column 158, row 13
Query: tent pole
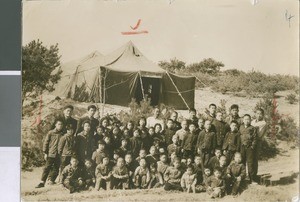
column 142, row 87
column 100, row 87
column 104, row 92
column 178, row 91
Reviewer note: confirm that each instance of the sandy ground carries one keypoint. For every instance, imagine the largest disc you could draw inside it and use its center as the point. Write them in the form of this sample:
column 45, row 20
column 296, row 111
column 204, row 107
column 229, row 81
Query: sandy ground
column 287, row 160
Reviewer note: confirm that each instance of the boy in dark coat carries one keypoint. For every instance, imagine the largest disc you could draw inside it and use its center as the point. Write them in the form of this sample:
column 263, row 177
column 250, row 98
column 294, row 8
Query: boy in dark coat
column 135, row 143
column 205, row 144
column 220, row 128
column 50, row 150
column 189, row 142
column 248, row 146
column 231, row 142
column 84, row 143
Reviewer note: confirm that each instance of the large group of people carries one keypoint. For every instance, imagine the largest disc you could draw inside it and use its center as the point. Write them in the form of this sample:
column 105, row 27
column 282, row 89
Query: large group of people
column 213, row 153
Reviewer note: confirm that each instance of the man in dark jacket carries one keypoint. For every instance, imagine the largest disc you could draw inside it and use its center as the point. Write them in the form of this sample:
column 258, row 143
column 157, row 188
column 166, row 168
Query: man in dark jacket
column 67, row 119
column 90, row 117
column 50, row 150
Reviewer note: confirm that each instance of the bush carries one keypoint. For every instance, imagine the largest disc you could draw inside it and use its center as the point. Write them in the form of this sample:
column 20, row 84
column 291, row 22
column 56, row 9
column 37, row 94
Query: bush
column 280, row 127
column 268, row 149
column 291, row 98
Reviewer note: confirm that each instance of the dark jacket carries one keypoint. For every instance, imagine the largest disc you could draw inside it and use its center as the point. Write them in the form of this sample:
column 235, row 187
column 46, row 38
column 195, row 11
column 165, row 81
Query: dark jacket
column 230, row 118
column 231, row 141
column 248, row 136
column 168, row 135
column 50, row 146
column 236, row 170
column 135, row 145
column 205, row 141
column 84, row 145
column 66, row 145
column 189, row 142
column 220, row 128
column 103, row 171
column 71, row 174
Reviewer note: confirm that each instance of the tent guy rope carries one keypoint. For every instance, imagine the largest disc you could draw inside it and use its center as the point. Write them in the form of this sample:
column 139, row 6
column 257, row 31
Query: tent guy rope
column 178, row 90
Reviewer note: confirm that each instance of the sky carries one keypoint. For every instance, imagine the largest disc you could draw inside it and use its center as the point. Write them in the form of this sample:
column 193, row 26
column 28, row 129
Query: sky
column 236, row 32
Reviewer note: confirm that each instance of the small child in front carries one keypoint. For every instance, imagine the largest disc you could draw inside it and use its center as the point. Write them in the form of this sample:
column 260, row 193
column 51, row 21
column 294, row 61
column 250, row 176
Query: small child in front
column 71, row 176
column 156, row 179
column 236, row 173
column 172, row 176
column 120, row 175
column 141, row 176
column 103, row 175
column 189, row 180
column 216, row 184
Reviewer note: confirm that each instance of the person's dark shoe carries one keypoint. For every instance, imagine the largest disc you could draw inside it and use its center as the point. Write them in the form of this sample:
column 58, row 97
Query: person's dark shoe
column 40, row 185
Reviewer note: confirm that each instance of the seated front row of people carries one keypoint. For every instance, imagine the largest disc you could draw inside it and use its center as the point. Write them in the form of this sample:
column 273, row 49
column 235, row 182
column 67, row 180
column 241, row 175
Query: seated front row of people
column 188, row 177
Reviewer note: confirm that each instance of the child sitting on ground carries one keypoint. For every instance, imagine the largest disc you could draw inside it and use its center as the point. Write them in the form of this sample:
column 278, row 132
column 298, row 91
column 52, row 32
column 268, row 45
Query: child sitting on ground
column 131, row 168
column 103, row 175
column 172, row 176
column 89, row 174
column 156, row 179
column 197, row 165
column 206, row 176
column 189, row 180
column 72, row 176
column 162, row 165
column 120, row 175
column 141, row 176
column 236, row 173
column 216, row 184
column 215, row 160
column 142, row 154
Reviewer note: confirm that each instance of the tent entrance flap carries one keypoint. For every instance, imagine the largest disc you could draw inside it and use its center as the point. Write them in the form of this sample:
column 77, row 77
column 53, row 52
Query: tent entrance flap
column 151, row 87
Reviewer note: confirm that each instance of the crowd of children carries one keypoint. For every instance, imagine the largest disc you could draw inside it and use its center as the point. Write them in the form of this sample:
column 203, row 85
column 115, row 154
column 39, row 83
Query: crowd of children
column 206, row 154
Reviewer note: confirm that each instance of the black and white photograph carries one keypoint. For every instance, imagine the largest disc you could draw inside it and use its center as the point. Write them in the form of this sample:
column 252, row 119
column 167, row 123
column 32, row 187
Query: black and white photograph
column 160, row 100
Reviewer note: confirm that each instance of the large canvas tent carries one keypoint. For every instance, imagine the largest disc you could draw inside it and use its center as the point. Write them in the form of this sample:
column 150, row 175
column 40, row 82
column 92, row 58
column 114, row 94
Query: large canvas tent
column 125, row 74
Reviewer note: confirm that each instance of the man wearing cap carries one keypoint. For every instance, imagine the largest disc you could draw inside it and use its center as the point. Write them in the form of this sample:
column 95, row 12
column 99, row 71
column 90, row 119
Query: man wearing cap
column 90, row 117
column 67, row 119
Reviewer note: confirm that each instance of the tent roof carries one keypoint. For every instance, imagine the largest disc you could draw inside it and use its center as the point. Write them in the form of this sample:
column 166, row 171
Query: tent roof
column 129, row 58
column 85, row 62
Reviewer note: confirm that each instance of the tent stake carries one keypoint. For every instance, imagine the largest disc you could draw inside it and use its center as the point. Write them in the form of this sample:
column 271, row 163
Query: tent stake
column 178, row 91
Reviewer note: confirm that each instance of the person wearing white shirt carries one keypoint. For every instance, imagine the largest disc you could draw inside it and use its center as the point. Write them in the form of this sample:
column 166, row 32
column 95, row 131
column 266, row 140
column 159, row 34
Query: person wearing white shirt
column 152, row 120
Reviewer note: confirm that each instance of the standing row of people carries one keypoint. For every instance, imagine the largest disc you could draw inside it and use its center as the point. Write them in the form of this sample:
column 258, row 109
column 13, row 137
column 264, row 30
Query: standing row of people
column 153, row 152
